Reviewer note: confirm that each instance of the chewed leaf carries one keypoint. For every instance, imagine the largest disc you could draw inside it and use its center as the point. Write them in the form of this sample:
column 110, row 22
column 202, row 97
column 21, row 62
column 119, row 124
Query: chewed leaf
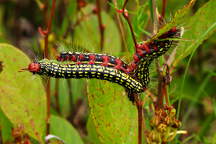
column 112, row 115
column 22, row 95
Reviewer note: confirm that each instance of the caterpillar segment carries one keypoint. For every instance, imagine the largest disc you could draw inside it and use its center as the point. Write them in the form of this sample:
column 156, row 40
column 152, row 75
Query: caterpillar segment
column 154, row 48
column 147, row 52
column 93, row 58
column 53, row 69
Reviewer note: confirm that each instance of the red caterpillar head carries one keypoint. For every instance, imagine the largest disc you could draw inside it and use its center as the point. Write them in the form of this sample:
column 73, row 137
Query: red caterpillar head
column 34, row 67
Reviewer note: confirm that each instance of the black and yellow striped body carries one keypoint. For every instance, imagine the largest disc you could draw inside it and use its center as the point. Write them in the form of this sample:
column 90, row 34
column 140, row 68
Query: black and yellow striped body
column 53, row 69
column 156, row 48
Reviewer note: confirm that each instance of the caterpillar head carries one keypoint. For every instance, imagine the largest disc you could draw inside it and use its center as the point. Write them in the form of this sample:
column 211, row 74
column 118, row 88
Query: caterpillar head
column 34, row 67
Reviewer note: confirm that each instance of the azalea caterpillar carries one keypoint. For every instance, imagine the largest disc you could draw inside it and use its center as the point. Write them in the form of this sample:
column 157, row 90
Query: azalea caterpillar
column 148, row 51
column 67, row 70
column 93, row 58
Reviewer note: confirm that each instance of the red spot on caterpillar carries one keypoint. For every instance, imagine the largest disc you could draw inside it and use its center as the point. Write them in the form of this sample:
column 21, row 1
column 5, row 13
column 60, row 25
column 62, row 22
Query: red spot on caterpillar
column 59, row 58
column 144, row 47
column 136, row 58
column 118, row 61
column 81, row 57
column 92, row 57
column 118, row 64
column 155, row 48
column 131, row 67
column 67, row 57
column 174, row 29
column 79, row 63
column 105, row 60
column 73, row 58
column 91, row 62
column 140, row 52
column 34, row 67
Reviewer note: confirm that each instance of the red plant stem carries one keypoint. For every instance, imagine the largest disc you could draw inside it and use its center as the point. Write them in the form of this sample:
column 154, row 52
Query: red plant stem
column 166, row 82
column 124, row 6
column 125, row 14
column 1, row 140
column 163, row 8
column 48, row 106
column 159, row 102
column 163, row 81
column 49, row 24
column 101, row 26
column 46, row 55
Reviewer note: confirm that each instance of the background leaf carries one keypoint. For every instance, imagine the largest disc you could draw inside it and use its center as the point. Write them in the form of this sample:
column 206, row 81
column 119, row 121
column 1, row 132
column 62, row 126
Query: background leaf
column 64, row 130
column 113, row 116
column 5, row 127
column 198, row 28
column 22, row 95
column 88, row 33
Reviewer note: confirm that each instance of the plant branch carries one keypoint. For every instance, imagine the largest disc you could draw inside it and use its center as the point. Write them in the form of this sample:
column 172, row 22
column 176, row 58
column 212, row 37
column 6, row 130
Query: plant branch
column 124, row 6
column 48, row 29
column 101, row 26
column 159, row 102
column 163, row 9
column 125, row 14
column 139, row 104
column 46, row 33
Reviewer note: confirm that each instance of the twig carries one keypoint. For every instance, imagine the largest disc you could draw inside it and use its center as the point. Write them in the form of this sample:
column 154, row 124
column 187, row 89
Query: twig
column 49, row 24
column 139, row 104
column 159, row 102
column 101, row 26
column 124, row 6
column 46, row 33
column 125, row 14
column 121, row 28
column 163, row 9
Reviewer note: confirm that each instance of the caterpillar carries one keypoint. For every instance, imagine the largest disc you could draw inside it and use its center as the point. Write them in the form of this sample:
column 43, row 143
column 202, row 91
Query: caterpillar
column 57, row 70
column 148, row 51
column 93, row 58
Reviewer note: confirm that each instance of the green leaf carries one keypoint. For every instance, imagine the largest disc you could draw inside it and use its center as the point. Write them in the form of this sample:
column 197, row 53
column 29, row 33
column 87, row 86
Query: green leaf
column 22, row 95
column 5, row 127
column 68, row 95
column 113, row 116
column 200, row 27
column 92, row 133
column 87, row 33
column 64, row 130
